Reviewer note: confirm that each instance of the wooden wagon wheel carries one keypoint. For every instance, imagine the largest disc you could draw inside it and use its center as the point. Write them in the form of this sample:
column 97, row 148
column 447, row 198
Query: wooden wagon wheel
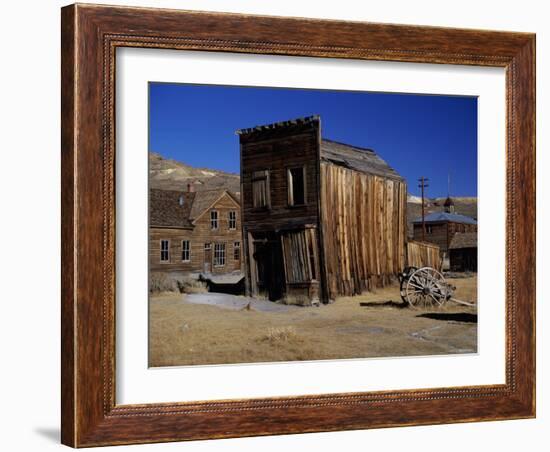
column 426, row 287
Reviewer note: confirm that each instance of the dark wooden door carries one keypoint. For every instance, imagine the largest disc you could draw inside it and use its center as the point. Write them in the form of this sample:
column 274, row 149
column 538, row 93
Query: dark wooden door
column 269, row 258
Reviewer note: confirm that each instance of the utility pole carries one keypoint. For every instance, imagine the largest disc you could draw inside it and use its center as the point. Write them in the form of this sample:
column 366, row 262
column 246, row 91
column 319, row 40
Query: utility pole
column 422, row 186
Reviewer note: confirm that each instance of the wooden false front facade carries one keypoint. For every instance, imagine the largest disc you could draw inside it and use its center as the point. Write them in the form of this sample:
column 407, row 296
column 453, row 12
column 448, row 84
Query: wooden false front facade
column 280, row 211
column 321, row 219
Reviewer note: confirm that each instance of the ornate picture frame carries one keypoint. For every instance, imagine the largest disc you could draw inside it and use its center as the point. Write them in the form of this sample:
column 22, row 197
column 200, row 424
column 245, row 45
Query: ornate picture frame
column 90, row 36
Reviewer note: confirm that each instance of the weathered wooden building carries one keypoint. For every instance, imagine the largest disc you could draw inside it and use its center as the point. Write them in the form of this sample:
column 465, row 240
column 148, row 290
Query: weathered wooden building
column 463, row 252
column 194, row 231
column 320, row 218
column 440, row 228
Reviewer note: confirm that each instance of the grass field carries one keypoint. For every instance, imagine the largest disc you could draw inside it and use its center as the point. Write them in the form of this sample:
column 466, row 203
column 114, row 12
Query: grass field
column 370, row 325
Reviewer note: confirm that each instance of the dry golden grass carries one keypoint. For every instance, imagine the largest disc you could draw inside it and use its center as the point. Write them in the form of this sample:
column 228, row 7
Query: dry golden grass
column 369, row 325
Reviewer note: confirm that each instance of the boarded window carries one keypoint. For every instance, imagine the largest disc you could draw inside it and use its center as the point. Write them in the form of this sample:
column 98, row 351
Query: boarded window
column 300, row 256
column 260, row 189
column 185, row 250
column 296, row 186
column 232, row 219
column 165, row 250
column 214, row 219
column 237, row 251
column 219, row 254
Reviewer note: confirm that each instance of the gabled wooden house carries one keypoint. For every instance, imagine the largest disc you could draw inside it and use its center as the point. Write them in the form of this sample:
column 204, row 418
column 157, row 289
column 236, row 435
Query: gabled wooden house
column 194, row 232
column 321, row 219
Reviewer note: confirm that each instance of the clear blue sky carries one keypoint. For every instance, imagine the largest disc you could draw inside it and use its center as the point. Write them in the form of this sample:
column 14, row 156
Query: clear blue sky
column 418, row 135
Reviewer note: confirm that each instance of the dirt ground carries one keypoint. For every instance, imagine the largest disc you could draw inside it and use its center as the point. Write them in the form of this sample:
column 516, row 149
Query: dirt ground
column 224, row 329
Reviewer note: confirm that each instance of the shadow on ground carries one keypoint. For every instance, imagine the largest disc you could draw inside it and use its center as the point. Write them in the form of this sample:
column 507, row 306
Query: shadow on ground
column 451, row 316
column 390, row 304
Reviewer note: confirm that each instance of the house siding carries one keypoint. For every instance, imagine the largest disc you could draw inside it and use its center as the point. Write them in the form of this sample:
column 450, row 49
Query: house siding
column 199, row 235
column 442, row 232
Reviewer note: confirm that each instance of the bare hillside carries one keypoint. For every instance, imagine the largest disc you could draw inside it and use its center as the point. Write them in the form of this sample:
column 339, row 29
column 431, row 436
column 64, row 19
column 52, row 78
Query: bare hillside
column 169, row 174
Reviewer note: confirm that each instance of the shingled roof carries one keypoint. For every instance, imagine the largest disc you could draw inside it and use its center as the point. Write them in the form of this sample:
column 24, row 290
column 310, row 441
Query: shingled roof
column 178, row 209
column 463, row 240
column 356, row 158
column 170, row 208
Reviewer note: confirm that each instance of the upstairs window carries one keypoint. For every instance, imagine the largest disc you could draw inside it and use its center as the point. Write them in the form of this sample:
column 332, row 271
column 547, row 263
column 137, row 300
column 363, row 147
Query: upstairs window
column 260, row 189
column 296, row 186
column 237, row 251
column 429, row 229
column 232, row 219
column 185, row 250
column 214, row 219
column 219, row 254
column 165, row 250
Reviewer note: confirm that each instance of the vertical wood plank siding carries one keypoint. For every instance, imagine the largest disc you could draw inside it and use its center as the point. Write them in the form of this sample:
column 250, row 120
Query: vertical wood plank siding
column 300, row 256
column 364, row 229
column 422, row 254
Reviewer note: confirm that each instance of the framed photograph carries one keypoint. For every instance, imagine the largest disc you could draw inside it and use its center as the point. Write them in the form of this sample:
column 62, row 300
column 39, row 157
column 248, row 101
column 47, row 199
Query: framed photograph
column 281, row 225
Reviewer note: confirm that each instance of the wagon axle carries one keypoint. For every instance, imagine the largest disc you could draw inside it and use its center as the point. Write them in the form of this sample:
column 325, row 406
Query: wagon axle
column 426, row 287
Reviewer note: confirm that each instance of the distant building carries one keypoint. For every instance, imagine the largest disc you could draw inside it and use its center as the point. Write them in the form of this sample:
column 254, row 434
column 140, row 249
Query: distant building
column 449, row 205
column 463, row 252
column 441, row 228
column 321, row 218
column 194, row 231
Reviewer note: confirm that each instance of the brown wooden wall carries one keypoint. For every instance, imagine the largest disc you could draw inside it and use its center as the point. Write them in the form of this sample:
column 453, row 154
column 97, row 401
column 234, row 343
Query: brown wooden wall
column 277, row 155
column 463, row 259
column 363, row 220
column 201, row 234
column 422, row 254
column 442, row 233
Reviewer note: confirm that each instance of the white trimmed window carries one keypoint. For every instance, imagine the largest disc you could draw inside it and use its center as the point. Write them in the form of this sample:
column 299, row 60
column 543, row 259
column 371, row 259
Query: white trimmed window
column 219, row 254
column 214, row 219
column 237, row 251
column 165, row 250
column 207, row 246
column 232, row 220
column 185, row 250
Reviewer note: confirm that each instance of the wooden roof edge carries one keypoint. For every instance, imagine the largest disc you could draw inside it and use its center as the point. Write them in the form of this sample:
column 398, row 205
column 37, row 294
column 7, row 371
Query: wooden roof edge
column 203, row 211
